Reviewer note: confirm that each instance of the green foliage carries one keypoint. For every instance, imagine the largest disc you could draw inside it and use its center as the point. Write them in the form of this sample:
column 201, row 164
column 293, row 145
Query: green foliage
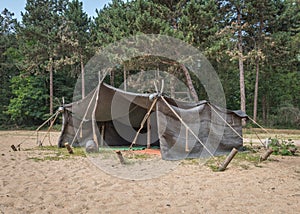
column 120, row 20
column 7, row 67
column 27, row 106
column 75, row 40
column 285, row 148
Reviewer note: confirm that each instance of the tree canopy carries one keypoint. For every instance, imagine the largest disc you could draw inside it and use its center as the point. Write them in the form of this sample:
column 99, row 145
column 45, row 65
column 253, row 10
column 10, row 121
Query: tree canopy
column 253, row 46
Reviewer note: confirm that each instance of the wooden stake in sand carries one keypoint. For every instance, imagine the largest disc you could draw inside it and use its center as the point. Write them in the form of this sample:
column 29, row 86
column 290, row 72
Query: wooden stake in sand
column 13, row 147
column 228, row 159
column 70, row 150
column 120, row 156
column 265, row 156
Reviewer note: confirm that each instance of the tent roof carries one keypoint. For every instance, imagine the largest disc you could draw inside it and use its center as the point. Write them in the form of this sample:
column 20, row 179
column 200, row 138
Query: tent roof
column 109, row 98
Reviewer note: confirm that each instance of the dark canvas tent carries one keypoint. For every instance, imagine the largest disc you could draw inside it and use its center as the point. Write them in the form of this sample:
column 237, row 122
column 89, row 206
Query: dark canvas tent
column 111, row 117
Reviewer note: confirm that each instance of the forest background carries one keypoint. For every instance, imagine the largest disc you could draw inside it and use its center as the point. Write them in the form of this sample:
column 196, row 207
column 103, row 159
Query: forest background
column 254, row 47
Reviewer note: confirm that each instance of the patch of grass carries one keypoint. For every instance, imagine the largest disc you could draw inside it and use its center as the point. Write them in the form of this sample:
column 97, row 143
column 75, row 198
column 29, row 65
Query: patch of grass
column 213, row 167
column 214, row 163
column 247, row 156
column 190, row 161
column 63, row 151
column 247, row 159
column 137, row 156
column 53, row 153
column 251, row 148
column 243, row 160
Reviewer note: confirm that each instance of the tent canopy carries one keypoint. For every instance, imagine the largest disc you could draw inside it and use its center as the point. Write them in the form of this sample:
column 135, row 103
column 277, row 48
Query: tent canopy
column 111, row 117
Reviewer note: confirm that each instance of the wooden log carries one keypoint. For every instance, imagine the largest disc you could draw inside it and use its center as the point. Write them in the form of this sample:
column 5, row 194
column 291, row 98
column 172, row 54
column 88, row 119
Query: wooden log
column 223, row 166
column 265, row 156
column 120, row 156
column 70, row 150
column 13, row 147
column 40, row 144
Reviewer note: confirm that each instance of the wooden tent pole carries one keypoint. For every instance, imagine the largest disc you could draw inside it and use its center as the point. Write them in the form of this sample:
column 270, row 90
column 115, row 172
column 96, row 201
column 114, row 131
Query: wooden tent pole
column 87, row 109
column 187, row 140
column 260, row 139
column 51, row 124
column 46, row 121
column 94, row 121
column 102, row 135
column 148, row 133
column 258, row 125
column 143, row 122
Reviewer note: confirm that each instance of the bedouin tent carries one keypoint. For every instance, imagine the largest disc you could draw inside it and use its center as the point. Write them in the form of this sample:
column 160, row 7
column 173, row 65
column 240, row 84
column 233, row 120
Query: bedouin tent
column 108, row 116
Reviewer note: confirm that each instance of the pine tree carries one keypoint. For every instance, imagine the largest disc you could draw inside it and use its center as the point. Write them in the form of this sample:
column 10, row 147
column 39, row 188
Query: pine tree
column 235, row 24
column 39, row 38
column 76, row 37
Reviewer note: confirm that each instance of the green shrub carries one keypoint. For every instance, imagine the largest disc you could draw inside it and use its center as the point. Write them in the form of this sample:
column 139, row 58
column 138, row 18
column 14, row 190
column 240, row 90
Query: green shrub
column 285, row 148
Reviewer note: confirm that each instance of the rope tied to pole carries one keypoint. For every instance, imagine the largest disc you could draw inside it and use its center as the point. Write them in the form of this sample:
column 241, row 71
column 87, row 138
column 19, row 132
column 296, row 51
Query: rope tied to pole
column 258, row 125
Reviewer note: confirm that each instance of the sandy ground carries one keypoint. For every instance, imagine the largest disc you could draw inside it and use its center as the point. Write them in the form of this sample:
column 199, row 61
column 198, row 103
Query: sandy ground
column 79, row 186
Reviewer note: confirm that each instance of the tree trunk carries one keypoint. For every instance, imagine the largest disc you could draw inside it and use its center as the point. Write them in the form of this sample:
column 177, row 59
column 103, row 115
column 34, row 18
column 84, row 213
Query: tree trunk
column 125, row 78
column 82, row 77
column 264, row 109
column 51, row 85
column 256, row 90
column 112, row 77
column 241, row 65
column 190, row 83
column 172, row 86
column 257, row 47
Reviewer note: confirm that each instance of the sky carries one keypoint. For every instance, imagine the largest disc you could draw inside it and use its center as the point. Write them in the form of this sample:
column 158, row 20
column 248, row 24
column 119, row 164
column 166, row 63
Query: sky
column 16, row 6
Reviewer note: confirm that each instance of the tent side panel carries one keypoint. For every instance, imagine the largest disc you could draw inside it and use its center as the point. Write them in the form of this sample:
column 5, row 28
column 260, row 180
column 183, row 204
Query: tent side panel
column 210, row 129
column 70, row 127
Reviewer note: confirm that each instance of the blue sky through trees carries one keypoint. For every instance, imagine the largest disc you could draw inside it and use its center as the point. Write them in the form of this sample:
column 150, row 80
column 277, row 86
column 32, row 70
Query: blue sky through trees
column 16, row 6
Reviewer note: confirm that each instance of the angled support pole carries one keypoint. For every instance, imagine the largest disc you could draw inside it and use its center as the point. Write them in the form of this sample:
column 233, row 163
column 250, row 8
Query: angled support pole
column 143, row 122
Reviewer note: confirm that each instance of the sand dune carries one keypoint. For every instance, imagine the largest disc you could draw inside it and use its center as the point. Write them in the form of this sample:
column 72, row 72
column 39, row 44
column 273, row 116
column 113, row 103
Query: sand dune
column 78, row 186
